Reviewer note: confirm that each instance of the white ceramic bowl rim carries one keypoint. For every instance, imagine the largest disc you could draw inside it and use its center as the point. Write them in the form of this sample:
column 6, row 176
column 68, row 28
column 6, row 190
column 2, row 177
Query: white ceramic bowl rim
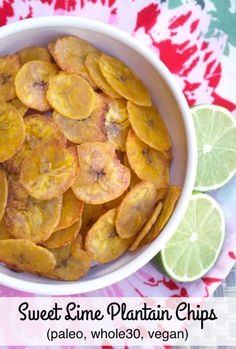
column 151, row 250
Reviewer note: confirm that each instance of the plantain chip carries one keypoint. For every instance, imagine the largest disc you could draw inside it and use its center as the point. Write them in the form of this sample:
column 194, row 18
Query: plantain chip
column 149, row 164
column 123, row 80
column 90, row 129
column 117, row 123
column 169, row 204
column 71, row 96
column 70, row 52
column 38, row 128
column 48, row 170
column 72, row 210
column 12, row 131
column 32, row 83
column 135, row 209
column 133, row 177
column 146, row 228
column 28, row 54
column 102, row 241
column 28, row 218
column 149, row 126
column 4, row 231
column 24, row 255
column 9, row 66
column 90, row 215
column 22, row 109
column 92, row 65
column 64, row 236
column 3, row 191
column 102, row 177
column 69, row 267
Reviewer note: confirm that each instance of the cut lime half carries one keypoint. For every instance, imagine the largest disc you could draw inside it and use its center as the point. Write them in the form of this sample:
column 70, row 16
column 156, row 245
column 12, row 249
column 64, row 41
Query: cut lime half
column 196, row 244
column 216, row 137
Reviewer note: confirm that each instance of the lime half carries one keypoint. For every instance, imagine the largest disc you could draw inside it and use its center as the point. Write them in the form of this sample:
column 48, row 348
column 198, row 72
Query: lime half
column 216, row 137
column 196, row 244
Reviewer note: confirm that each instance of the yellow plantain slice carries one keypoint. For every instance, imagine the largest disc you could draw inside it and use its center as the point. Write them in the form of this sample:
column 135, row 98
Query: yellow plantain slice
column 70, row 52
column 24, row 255
column 28, row 54
column 22, row 109
column 149, row 164
column 32, row 83
column 29, row 218
column 4, row 231
column 147, row 227
column 92, row 65
column 123, row 80
column 149, row 126
column 51, row 46
column 90, row 129
column 133, row 177
column 38, row 128
column 69, row 267
column 71, row 96
column 3, row 191
column 169, row 203
column 102, row 177
column 12, row 131
column 117, row 123
column 102, row 241
column 135, row 209
column 48, row 170
column 9, row 66
column 72, row 210
column 63, row 237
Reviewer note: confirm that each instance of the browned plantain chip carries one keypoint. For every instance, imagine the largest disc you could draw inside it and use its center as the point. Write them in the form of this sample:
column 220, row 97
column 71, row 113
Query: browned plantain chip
column 29, row 218
column 135, row 209
column 9, row 66
column 28, row 54
column 32, row 83
column 3, row 191
column 24, row 255
column 102, row 240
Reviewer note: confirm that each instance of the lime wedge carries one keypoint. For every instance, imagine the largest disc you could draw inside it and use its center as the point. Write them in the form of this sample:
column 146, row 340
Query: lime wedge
column 196, row 244
column 216, row 137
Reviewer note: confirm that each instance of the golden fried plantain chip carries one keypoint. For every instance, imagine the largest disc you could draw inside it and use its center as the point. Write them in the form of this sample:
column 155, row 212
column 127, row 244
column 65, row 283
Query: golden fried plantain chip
column 123, row 80
column 12, row 131
column 147, row 227
column 28, row 54
column 102, row 177
column 32, row 83
column 72, row 209
column 69, row 267
column 92, row 65
column 3, row 191
column 63, row 237
column 22, row 109
column 135, row 209
column 48, row 170
column 71, row 96
column 29, row 218
column 102, row 240
column 9, row 66
column 117, row 123
column 4, row 231
column 149, row 126
column 51, row 46
column 169, row 203
column 25, row 256
column 38, row 128
column 90, row 129
column 70, row 52
column 149, row 164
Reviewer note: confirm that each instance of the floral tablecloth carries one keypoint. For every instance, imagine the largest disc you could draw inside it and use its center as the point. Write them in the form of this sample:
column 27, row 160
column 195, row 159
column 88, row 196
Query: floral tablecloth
column 197, row 42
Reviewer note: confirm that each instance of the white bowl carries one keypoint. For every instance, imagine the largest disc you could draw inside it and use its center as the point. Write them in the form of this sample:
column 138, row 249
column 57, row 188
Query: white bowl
column 166, row 94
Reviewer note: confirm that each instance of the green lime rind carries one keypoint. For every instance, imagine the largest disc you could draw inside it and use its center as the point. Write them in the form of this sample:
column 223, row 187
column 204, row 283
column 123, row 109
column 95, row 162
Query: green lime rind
column 196, row 244
column 216, row 137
